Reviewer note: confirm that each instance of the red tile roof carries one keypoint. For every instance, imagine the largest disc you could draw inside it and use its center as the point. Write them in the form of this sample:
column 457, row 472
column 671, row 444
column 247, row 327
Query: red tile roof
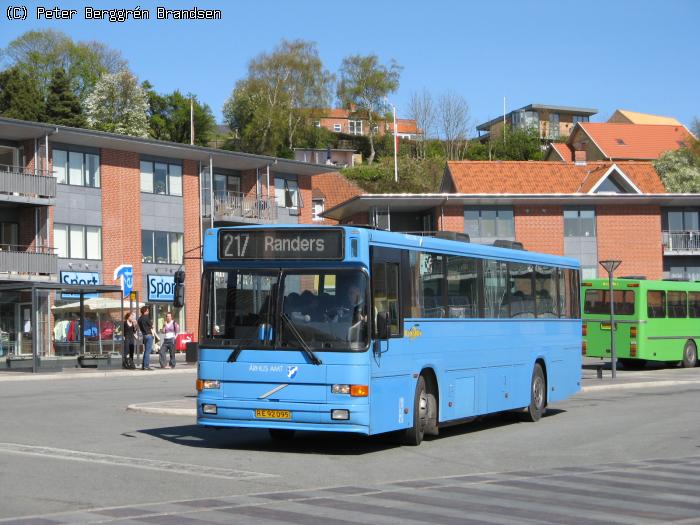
column 561, row 151
column 333, row 188
column 542, row 177
column 635, row 141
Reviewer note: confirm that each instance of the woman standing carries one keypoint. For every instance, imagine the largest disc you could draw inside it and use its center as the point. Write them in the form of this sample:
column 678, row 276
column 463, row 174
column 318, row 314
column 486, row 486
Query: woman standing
column 129, row 342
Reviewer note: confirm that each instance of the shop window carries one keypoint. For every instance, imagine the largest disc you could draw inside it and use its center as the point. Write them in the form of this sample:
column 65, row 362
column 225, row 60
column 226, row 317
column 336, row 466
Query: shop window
column 76, row 241
column 161, row 178
column 76, row 168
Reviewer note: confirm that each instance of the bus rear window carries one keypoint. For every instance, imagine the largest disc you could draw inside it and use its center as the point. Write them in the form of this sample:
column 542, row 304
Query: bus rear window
column 598, row 302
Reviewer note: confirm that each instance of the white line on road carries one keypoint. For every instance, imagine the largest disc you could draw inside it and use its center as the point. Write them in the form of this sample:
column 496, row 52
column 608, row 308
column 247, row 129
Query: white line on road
column 124, row 461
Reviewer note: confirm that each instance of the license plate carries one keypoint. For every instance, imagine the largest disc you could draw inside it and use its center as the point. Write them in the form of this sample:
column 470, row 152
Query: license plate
column 273, row 414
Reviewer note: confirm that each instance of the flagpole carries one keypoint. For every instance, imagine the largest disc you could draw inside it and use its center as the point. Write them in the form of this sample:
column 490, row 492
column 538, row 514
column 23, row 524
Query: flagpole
column 396, row 140
column 191, row 121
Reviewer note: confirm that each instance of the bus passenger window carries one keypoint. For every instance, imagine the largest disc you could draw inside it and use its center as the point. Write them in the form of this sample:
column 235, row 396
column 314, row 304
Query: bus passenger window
column 694, row 304
column 521, row 297
column 462, row 287
column 545, row 291
column 656, row 304
column 430, row 284
column 677, row 305
column 495, row 289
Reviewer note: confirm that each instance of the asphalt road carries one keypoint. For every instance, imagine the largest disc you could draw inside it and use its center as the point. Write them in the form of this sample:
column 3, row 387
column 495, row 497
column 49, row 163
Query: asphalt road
column 70, row 453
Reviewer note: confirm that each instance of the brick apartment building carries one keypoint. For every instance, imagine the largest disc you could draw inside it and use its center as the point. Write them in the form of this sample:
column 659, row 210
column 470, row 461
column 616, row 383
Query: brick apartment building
column 588, row 210
column 76, row 204
column 339, row 120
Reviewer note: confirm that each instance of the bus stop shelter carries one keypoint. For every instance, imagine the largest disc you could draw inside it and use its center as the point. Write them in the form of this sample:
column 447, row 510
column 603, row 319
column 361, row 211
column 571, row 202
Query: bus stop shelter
column 29, row 338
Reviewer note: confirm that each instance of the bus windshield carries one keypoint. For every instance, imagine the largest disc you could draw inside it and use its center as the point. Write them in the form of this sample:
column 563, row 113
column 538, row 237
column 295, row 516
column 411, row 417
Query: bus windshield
column 598, row 302
column 327, row 309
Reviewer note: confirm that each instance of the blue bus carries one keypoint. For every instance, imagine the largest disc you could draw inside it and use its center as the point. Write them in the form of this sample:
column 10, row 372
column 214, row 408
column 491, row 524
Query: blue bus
column 349, row 329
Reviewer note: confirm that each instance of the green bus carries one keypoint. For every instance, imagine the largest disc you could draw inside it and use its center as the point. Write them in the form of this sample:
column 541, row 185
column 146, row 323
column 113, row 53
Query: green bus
column 655, row 320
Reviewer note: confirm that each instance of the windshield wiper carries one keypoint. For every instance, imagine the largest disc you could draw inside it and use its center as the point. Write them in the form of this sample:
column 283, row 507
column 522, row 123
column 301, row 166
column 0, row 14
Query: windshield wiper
column 304, row 346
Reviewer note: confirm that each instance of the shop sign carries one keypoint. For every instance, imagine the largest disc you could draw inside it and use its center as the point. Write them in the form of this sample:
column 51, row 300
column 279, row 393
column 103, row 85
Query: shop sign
column 125, row 274
column 82, row 278
column 161, row 288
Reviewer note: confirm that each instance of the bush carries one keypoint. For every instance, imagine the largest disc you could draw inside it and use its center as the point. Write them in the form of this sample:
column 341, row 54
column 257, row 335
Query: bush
column 415, row 176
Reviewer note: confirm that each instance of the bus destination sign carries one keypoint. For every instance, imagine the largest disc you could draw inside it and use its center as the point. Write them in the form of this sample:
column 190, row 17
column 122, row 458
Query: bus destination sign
column 289, row 244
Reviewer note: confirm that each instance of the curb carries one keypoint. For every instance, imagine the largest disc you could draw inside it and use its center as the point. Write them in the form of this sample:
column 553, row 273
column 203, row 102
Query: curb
column 27, row 376
column 161, row 411
column 640, row 384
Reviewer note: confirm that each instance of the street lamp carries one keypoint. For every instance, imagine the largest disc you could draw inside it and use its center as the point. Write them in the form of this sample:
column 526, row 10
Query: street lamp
column 610, row 267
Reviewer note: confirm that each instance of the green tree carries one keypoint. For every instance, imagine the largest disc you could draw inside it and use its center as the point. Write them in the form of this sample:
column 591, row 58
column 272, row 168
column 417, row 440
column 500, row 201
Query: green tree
column 19, row 96
column 364, row 84
column 41, row 52
column 169, row 117
column 118, row 104
column 679, row 171
column 62, row 105
column 516, row 144
column 269, row 108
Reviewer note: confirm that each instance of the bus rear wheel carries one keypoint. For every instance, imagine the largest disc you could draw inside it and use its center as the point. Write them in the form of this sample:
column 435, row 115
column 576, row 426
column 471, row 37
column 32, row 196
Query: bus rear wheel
column 424, row 415
column 538, row 395
column 690, row 355
column 281, row 434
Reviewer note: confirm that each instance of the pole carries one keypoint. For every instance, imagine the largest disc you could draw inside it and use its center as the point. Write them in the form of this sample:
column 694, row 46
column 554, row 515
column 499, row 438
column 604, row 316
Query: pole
column 396, row 145
column 191, row 121
column 613, row 354
column 504, row 119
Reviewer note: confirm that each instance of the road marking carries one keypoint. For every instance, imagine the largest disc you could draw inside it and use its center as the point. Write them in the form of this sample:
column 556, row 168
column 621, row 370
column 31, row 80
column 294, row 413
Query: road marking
column 124, row 461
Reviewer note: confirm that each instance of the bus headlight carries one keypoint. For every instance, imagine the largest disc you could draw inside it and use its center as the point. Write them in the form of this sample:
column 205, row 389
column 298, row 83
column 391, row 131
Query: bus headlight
column 209, row 409
column 340, row 389
column 208, row 384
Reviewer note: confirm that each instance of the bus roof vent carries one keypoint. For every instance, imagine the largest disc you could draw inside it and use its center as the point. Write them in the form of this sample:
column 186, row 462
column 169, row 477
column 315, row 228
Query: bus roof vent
column 504, row 243
column 452, row 236
column 634, row 277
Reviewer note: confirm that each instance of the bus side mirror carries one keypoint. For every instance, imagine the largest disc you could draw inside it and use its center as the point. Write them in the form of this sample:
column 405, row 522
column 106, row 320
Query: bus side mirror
column 383, row 325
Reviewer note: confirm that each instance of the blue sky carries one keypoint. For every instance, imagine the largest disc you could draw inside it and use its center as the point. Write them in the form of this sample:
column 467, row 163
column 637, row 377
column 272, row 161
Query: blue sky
column 638, row 55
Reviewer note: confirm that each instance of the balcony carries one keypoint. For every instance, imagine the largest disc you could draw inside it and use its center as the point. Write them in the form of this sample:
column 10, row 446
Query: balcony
column 233, row 206
column 25, row 186
column 681, row 242
column 21, row 263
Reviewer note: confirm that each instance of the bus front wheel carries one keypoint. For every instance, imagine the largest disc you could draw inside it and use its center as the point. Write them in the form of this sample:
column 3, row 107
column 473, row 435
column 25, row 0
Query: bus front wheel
column 538, row 395
column 690, row 355
column 424, row 414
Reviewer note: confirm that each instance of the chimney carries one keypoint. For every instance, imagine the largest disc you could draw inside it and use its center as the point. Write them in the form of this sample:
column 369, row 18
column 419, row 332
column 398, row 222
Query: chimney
column 580, row 158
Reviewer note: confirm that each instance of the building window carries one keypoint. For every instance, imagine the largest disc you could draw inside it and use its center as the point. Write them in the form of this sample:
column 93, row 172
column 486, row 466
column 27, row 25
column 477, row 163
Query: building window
column 161, row 247
column 337, row 128
column 355, row 127
column 9, row 235
column 525, row 119
column 579, row 223
column 317, row 123
column 226, row 183
column 317, row 209
column 286, row 193
column 554, row 126
column 76, row 241
column 76, row 168
column 489, row 223
column 161, row 178
column 682, row 220
column 579, row 118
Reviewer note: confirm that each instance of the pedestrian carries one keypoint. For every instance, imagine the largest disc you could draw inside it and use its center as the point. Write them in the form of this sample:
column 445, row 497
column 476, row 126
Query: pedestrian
column 170, row 330
column 146, row 327
column 129, row 332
